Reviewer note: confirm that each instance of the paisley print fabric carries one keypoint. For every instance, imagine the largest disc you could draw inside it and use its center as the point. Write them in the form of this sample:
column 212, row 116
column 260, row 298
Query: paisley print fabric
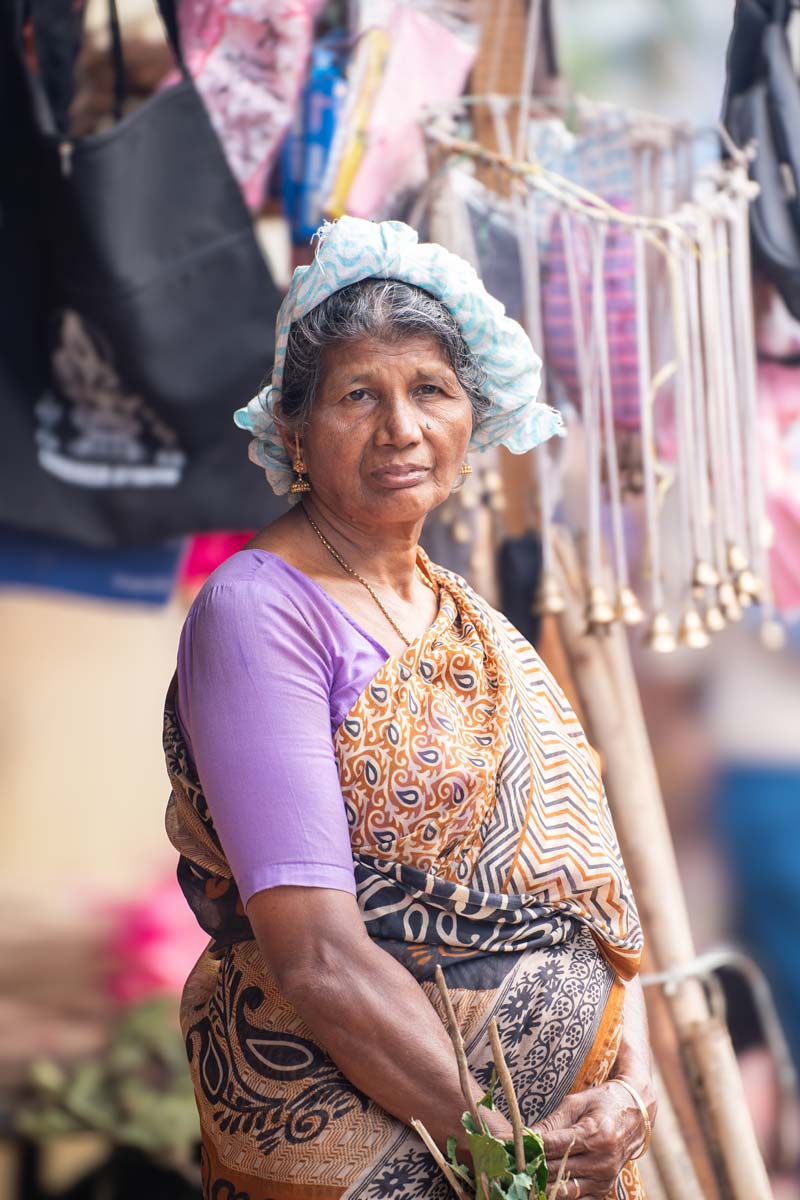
column 481, row 841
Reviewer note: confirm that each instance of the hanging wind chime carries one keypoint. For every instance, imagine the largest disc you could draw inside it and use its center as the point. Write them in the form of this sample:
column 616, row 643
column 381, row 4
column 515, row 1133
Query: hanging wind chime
column 634, row 262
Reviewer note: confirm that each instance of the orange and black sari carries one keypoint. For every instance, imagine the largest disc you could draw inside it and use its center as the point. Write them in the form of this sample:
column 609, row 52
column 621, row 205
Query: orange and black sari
column 482, row 841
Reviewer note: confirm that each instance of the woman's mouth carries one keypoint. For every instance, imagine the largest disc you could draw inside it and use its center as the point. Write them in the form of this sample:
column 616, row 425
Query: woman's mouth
column 400, row 475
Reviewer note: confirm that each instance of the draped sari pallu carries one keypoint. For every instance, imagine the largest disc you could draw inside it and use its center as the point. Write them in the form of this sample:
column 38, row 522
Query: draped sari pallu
column 482, row 841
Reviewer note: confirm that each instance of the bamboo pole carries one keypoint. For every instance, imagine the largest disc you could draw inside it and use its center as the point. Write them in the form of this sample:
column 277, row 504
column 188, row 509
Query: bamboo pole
column 669, row 1154
column 651, row 1180
column 603, row 674
column 698, row 1179
column 674, row 1090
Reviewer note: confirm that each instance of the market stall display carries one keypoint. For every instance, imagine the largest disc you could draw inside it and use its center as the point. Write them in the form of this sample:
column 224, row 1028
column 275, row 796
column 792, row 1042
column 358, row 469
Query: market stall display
column 632, row 271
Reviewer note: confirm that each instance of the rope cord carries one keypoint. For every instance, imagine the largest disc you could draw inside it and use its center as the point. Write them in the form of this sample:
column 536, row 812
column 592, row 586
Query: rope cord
column 709, row 308
column 532, row 32
column 730, row 394
column 698, row 427
column 584, row 361
column 646, row 414
column 746, row 371
column 599, row 235
column 683, row 426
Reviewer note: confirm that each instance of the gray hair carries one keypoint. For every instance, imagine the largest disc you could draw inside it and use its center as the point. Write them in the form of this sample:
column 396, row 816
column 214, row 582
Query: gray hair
column 386, row 309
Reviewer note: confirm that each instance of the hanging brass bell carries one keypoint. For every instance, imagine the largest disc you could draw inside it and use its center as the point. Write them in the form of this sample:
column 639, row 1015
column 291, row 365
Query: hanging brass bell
column 461, row 531
column 704, row 575
column 737, row 559
column 600, row 613
column 773, row 634
column 660, row 637
column 549, row 599
column 728, row 601
column 629, row 610
column 747, row 581
column 692, row 632
column 714, row 619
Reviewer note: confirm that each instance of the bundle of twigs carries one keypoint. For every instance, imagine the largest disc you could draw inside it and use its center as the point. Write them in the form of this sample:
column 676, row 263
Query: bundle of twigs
column 503, row 1170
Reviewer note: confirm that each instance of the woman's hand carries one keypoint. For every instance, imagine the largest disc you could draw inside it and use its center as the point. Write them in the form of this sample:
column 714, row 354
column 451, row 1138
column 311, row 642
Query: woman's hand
column 605, row 1130
column 604, row 1125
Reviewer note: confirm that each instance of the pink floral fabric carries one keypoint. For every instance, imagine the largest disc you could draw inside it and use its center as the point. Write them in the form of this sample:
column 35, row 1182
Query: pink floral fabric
column 779, row 445
column 248, row 59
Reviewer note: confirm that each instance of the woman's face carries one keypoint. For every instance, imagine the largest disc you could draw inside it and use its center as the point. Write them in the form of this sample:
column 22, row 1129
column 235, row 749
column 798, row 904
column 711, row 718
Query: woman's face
column 388, row 431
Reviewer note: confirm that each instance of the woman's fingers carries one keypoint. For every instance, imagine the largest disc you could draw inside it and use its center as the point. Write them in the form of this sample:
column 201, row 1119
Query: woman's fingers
column 594, row 1136
column 559, row 1142
column 593, row 1176
column 570, row 1189
column 583, row 1189
column 598, row 1131
column 602, row 1128
column 597, row 1169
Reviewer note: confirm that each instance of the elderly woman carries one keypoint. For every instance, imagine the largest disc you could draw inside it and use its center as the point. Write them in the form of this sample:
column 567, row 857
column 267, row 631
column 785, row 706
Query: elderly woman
column 373, row 773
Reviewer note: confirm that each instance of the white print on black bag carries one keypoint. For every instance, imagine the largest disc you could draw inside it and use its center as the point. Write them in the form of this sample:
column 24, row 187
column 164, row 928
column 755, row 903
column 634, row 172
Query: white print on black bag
column 90, row 430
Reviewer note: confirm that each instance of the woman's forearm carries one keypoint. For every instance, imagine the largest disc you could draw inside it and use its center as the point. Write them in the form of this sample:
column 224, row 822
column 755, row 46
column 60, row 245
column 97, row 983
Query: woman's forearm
column 634, row 1061
column 379, row 1028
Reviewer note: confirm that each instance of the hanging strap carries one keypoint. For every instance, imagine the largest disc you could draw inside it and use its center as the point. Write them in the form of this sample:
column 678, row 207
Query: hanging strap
column 57, row 35
column 118, row 60
column 58, row 31
column 168, row 11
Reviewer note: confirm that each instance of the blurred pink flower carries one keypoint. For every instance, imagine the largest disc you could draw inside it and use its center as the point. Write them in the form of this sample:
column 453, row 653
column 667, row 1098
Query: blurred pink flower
column 153, row 943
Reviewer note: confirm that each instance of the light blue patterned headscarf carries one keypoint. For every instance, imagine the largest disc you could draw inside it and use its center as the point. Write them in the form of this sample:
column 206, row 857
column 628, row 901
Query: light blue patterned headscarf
column 352, row 249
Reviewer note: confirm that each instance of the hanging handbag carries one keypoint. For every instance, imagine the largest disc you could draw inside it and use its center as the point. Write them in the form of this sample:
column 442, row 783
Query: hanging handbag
column 145, row 311
column 762, row 105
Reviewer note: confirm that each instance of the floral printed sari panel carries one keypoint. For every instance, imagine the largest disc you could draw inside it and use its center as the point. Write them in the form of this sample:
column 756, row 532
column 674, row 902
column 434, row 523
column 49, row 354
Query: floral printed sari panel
column 481, row 842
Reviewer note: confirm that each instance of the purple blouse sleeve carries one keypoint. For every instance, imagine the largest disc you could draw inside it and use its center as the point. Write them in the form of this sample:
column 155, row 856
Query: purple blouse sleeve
column 254, row 699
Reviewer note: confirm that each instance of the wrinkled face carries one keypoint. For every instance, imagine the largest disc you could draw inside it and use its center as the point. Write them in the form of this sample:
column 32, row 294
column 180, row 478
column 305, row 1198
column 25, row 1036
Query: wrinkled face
column 388, row 431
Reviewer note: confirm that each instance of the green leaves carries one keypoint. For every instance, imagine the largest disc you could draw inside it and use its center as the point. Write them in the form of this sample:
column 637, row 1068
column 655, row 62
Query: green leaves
column 489, row 1155
column 138, row 1092
column 487, row 1100
column 494, row 1157
column 518, row 1189
column 535, row 1161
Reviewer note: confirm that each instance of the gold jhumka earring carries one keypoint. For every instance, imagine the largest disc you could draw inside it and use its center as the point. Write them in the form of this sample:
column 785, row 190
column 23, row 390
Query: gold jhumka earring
column 465, row 469
column 299, row 485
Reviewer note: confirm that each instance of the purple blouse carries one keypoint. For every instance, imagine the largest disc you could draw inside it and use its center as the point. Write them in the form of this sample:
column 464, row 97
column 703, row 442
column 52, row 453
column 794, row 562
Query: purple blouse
column 268, row 667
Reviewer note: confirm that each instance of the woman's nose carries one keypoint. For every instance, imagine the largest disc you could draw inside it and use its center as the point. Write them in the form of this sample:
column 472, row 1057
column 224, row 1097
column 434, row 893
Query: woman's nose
column 400, row 421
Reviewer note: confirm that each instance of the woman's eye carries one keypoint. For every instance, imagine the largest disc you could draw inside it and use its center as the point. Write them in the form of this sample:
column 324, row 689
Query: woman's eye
column 358, row 394
column 429, row 389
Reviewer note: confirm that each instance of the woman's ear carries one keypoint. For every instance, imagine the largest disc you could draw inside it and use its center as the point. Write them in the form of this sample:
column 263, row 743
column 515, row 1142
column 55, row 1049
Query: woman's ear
column 286, row 434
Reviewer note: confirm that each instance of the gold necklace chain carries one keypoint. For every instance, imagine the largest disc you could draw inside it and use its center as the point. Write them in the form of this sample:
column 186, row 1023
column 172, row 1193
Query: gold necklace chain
column 360, row 578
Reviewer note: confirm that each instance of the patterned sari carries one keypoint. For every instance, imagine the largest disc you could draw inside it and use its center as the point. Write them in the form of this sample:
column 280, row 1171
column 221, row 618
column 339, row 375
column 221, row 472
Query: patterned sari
column 482, row 841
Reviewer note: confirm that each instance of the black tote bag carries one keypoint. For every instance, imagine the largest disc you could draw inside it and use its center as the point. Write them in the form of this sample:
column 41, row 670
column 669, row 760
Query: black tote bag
column 762, row 105
column 141, row 313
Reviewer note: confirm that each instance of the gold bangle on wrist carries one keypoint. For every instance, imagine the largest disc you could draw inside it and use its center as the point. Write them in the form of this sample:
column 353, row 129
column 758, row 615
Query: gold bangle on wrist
column 642, row 1107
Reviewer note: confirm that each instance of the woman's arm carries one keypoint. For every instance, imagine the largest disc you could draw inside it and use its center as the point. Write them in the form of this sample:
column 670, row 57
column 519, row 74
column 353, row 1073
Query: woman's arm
column 634, row 1061
column 603, row 1125
column 363, row 1007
